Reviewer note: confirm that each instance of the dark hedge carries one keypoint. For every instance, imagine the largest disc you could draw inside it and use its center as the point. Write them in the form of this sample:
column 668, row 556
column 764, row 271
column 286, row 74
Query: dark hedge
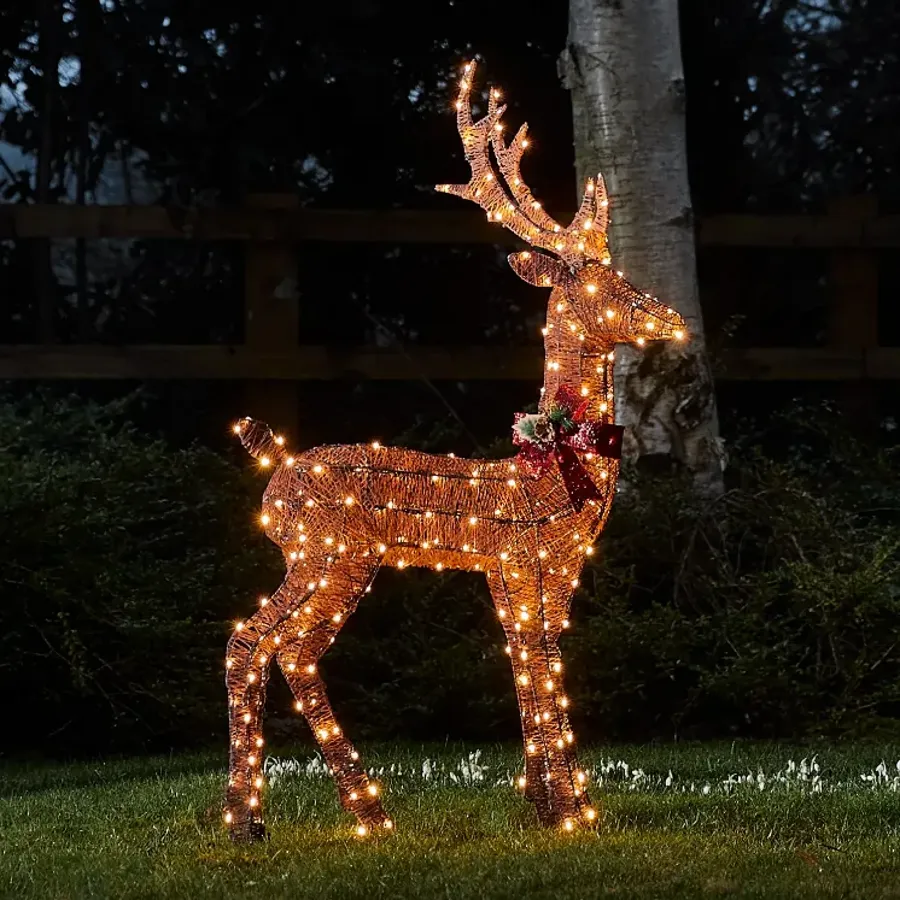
column 771, row 611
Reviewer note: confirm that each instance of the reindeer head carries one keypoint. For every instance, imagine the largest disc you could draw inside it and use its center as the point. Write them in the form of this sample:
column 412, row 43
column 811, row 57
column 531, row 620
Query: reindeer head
column 599, row 304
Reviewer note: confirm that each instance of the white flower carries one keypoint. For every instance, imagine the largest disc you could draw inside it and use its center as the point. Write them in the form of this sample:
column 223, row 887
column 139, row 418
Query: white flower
column 535, row 428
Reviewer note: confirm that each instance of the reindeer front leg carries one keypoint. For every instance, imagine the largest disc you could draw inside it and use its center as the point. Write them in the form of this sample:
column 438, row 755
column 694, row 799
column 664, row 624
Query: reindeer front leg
column 533, row 783
column 567, row 784
column 566, row 779
column 532, row 609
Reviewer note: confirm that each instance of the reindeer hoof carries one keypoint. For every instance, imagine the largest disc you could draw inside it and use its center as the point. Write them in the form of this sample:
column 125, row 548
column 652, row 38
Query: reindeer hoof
column 248, row 833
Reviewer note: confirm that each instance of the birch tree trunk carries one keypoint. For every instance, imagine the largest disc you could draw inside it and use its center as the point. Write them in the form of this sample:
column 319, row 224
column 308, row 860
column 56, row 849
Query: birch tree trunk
column 622, row 65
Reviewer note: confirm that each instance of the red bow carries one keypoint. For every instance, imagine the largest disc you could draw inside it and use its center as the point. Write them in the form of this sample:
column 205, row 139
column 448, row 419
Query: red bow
column 570, row 434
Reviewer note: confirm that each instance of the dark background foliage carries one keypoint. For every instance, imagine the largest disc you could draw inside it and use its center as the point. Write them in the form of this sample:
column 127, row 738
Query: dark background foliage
column 126, row 548
column 121, row 561
column 790, row 104
column 769, row 612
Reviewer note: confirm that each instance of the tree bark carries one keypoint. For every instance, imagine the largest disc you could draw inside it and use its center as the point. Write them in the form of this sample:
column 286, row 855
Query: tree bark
column 622, row 65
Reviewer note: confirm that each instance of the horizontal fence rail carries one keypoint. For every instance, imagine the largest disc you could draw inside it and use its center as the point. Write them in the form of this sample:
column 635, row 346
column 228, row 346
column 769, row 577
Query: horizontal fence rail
column 465, row 363
column 404, row 226
column 271, row 361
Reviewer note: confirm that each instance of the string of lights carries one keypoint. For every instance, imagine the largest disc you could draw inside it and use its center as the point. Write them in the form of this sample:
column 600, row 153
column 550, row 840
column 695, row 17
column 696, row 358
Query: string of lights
column 340, row 513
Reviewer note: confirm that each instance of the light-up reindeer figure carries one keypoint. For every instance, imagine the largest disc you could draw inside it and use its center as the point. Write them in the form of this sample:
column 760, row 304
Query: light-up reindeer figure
column 339, row 513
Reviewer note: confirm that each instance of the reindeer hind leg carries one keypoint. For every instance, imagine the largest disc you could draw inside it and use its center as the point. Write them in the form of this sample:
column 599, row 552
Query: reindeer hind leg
column 249, row 655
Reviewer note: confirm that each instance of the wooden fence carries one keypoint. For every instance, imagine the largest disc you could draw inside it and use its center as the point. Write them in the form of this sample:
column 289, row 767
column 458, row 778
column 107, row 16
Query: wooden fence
column 272, row 359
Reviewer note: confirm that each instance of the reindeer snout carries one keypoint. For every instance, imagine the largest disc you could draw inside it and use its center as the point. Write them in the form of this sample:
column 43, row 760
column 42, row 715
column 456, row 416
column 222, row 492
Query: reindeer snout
column 259, row 441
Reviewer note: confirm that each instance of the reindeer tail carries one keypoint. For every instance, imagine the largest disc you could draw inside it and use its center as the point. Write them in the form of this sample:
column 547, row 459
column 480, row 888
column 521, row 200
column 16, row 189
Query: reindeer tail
column 259, row 441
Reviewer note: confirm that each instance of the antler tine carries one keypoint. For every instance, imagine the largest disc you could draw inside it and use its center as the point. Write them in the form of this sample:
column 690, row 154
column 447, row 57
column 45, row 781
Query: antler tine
column 601, row 198
column 484, row 187
column 589, row 226
column 586, row 217
column 509, row 158
column 595, row 205
column 472, row 134
column 464, row 120
column 507, row 198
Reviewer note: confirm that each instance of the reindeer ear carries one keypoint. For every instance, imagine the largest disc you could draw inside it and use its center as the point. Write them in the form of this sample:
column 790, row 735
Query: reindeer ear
column 538, row 268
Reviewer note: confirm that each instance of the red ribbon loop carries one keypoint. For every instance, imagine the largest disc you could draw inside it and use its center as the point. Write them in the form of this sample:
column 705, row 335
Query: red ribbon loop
column 571, row 436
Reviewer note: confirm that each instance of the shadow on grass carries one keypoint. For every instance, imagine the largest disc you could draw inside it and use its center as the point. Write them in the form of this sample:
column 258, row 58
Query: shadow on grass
column 23, row 778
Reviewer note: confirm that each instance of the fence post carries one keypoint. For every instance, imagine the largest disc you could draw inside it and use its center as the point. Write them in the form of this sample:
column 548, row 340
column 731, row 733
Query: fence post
column 853, row 308
column 272, row 319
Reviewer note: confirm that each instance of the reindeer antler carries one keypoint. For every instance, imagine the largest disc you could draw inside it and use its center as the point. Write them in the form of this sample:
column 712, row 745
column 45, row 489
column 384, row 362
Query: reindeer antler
column 508, row 200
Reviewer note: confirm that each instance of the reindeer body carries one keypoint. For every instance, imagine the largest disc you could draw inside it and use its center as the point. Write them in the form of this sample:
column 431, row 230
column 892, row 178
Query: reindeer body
column 339, row 513
column 421, row 517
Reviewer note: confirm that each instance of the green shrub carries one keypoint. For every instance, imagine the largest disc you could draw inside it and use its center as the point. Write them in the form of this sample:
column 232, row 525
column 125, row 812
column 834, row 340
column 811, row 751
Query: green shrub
column 769, row 612
column 122, row 559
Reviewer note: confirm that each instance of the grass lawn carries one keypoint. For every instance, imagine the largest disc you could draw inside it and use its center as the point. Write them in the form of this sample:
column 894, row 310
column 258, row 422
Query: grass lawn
column 683, row 821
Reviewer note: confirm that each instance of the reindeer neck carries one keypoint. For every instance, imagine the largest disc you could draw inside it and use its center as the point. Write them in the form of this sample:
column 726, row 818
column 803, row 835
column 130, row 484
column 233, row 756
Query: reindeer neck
column 572, row 363
column 587, row 372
